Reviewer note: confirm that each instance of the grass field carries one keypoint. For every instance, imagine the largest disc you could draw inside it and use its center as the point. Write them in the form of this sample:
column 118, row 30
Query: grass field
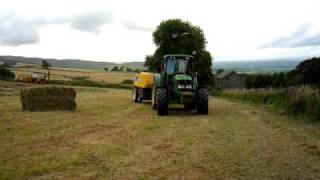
column 69, row 74
column 108, row 136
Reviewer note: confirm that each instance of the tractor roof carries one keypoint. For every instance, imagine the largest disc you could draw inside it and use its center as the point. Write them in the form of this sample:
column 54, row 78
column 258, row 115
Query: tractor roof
column 177, row 55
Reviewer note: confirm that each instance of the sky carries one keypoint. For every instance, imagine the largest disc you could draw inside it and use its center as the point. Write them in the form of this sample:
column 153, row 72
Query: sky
column 121, row 30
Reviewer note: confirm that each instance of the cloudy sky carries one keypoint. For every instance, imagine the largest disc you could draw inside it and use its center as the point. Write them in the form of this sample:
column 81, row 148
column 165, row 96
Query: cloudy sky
column 121, row 30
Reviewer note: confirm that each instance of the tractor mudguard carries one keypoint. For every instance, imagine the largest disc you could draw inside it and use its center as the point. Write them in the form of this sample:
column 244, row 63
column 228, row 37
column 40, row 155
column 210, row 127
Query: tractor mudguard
column 158, row 82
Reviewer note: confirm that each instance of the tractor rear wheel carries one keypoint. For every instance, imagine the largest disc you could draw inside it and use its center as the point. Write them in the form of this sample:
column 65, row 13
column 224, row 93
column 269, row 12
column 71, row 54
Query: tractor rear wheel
column 202, row 102
column 162, row 101
column 134, row 94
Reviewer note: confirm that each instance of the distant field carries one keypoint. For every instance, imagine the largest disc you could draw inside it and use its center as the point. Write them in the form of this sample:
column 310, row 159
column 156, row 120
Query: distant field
column 110, row 137
column 258, row 66
column 69, row 73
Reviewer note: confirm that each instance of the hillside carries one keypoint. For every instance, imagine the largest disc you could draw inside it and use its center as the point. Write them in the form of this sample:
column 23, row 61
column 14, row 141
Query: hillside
column 71, row 63
column 252, row 66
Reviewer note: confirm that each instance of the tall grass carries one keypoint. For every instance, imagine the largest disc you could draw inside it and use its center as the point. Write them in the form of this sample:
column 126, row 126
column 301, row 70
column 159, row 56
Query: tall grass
column 303, row 100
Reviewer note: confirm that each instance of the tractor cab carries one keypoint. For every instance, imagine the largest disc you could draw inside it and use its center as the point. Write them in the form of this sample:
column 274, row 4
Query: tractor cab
column 177, row 64
column 178, row 75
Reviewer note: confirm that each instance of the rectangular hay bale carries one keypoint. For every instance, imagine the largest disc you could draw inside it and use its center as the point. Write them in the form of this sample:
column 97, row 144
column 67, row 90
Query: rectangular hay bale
column 48, row 99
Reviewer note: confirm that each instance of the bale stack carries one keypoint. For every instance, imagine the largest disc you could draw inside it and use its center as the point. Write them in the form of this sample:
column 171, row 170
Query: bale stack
column 48, row 99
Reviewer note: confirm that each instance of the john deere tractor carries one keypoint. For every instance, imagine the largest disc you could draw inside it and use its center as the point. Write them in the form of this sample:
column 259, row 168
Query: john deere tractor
column 176, row 83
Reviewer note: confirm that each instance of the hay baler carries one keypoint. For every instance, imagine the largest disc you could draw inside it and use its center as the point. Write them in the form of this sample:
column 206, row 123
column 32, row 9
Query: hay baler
column 35, row 77
column 142, row 87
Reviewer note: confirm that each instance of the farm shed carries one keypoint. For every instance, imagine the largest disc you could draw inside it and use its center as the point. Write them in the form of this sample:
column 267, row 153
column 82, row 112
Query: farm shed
column 230, row 80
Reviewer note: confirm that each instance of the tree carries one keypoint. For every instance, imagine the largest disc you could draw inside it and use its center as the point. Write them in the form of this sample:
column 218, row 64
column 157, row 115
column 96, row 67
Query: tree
column 122, row 68
column 6, row 65
column 279, row 80
column 259, row 81
column 45, row 64
column 204, row 68
column 115, row 68
column 151, row 63
column 219, row 71
column 137, row 70
column 129, row 69
column 106, row 69
column 307, row 71
column 6, row 74
column 175, row 36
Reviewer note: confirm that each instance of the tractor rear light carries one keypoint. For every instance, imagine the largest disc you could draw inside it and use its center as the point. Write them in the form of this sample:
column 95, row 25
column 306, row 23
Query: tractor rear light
column 189, row 86
column 180, row 86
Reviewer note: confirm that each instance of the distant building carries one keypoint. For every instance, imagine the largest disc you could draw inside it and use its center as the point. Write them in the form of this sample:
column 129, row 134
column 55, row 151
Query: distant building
column 230, row 80
column 9, row 63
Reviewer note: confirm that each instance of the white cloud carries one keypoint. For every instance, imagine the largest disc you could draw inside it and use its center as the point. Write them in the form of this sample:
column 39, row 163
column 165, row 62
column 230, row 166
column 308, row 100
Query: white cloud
column 15, row 30
column 301, row 37
column 134, row 26
column 91, row 21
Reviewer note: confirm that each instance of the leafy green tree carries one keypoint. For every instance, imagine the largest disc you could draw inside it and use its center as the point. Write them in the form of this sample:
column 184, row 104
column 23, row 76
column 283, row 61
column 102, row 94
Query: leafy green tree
column 275, row 80
column 279, row 80
column 137, row 70
column 204, row 68
column 259, row 81
column 122, row 68
column 175, row 36
column 115, row 68
column 45, row 64
column 106, row 69
column 151, row 63
column 307, row 72
column 219, row 71
column 6, row 65
column 6, row 74
column 129, row 69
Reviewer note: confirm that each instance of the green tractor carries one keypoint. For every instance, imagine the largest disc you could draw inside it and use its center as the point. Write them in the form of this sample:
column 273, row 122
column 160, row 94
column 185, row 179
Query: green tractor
column 176, row 83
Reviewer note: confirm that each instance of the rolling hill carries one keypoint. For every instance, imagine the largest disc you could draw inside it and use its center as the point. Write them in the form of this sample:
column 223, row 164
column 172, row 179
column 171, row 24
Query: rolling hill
column 258, row 66
column 71, row 63
column 245, row 66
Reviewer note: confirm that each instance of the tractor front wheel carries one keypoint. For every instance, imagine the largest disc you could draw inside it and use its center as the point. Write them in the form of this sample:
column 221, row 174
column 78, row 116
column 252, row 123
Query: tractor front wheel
column 162, row 101
column 140, row 94
column 202, row 102
column 154, row 98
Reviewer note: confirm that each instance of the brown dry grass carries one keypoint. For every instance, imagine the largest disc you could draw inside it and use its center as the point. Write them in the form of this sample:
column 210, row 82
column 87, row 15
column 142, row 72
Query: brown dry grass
column 108, row 136
column 68, row 74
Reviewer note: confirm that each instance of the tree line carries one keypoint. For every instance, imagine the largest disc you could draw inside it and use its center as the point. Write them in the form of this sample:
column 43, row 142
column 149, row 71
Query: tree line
column 306, row 72
column 122, row 69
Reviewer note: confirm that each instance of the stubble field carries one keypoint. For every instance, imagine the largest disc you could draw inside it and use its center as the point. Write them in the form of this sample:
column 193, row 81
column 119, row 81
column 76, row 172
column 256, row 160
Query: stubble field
column 108, row 136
